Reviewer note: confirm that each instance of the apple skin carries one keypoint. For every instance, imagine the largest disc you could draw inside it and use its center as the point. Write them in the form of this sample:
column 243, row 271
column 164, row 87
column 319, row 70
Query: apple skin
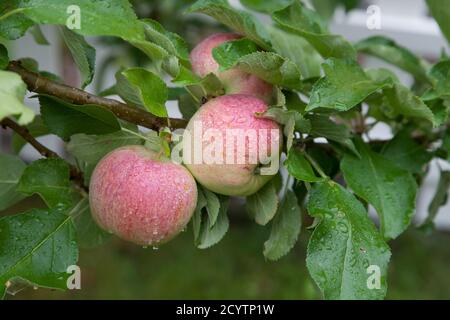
column 234, row 80
column 140, row 198
column 232, row 112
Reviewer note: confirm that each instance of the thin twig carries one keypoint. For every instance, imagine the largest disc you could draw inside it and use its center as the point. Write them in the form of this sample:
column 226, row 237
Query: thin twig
column 75, row 174
column 25, row 134
column 38, row 84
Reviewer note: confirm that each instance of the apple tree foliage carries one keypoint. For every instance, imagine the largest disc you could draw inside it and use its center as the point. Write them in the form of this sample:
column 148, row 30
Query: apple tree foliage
column 322, row 92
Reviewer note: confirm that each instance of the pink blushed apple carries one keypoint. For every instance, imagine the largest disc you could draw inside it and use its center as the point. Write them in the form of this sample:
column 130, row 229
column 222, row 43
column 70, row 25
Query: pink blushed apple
column 140, row 198
column 227, row 155
column 234, row 80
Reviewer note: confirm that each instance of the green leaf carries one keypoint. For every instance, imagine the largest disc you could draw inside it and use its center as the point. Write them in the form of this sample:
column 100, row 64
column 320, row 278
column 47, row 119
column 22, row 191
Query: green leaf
column 376, row 107
column 165, row 135
column 155, row 141
column 293, row 102
column 65, row 119
column 268, row 66
column 12, row 169
column 212, row 206
column 310, row 22
column 239, row 21
column 147, row 88
column 197, row 217
column 89, row 234
column 283, row 116
column 263, row 204
column 38, row 245
column 272, row 68
column 110, row 91
column 298, row 50
column 171, row 42
column 389, row 51
column 174, row 93
column 382, row 75
column 83, row 54
column 306, row 23
column 344, row 86
column 325, row 8
column 228, row 53
column 39, row 36
column 289, row 132
column 209, row 236
column 12, row 93
column 128, row 92
column 174, row 67
column 343, row 246
column 389, row 188
column 50, row 179
column 30, row 64
column 183, row 76
column 187, row 105
column 209, row 86
column 326, row 159
column 266, row 6
column 406, row 153
column 90, row 149
column 440, row 74
column 440, row 109
column 298, row 167
column 12, row 26
column 152, row 50
column 291, row 120
column 441, row 12
column 4, row 58
column 399, row 100
column 323, row 126
column 446, row 144
column 97, row 18
column 36, row 128
column 285, row 228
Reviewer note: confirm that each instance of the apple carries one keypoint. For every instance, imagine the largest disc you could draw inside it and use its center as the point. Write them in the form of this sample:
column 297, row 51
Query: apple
column 141, row 198
column 228, row 149
column 234, row 80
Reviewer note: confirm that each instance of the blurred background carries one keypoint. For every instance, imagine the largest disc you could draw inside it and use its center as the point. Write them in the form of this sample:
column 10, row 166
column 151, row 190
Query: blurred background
column 235, row 268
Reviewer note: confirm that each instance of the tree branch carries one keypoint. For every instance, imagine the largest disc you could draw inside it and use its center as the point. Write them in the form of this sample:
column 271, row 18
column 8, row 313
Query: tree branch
column 75, row 174
column 39, row 84
column 25, row 134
